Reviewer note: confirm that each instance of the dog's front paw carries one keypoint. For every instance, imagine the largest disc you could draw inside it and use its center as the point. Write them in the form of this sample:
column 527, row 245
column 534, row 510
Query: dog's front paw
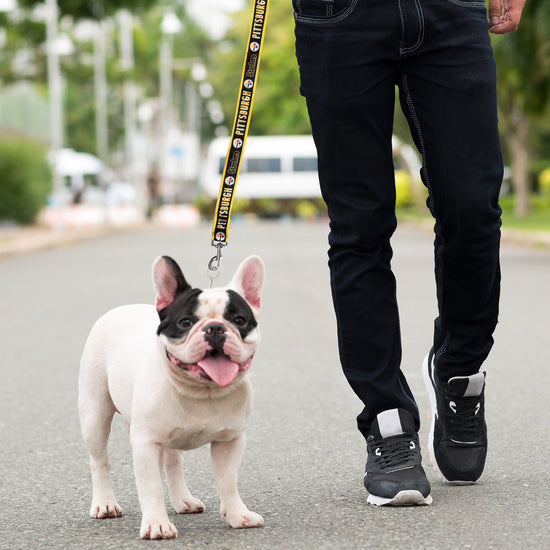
column 244, row 519
column 104, row 510
column 157, row 529
column 189, row 505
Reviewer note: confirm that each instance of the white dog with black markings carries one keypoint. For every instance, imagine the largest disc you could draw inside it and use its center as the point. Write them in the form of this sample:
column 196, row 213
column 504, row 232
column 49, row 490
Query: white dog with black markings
column 179, row 385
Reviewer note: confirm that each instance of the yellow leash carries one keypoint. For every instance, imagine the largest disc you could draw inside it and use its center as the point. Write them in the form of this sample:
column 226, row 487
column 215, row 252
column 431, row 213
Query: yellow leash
column 241, row 124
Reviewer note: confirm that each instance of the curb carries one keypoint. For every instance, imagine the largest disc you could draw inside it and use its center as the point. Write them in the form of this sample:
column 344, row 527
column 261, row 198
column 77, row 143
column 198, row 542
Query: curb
column 537, row 239
column 84, row 222
column 533, row 239
column 21, row 240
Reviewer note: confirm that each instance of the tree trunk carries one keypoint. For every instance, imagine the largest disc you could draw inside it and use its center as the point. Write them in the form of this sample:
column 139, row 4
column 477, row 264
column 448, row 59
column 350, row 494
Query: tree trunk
column 518, row 143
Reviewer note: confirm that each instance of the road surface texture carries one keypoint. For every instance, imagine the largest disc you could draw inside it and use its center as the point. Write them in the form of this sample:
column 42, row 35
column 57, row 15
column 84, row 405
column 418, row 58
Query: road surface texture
column 304, row 462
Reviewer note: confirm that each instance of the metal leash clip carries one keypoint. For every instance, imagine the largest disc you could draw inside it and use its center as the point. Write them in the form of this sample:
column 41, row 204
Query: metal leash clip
column 215, row 262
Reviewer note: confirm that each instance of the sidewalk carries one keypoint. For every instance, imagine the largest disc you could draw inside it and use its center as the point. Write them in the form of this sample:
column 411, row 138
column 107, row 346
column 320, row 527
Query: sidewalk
column 539, row 239
column 18, row 240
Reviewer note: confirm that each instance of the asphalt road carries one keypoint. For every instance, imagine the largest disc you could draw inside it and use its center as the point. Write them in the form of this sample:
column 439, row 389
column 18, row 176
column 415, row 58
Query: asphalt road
column 304, row 462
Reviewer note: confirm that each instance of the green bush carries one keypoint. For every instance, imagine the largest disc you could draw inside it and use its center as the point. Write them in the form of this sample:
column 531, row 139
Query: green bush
column 267, row 208
column 25, row 179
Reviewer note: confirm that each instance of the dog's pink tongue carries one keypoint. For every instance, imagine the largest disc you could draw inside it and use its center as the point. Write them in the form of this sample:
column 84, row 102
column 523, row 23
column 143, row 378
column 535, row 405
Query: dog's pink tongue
column 221, row 369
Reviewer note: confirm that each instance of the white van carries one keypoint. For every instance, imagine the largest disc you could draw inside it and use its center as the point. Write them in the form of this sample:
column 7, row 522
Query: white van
column 283, row 166
column 271, row 167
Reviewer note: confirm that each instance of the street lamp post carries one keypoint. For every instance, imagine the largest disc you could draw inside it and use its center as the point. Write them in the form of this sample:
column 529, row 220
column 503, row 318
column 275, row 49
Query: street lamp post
column 100, row 84
column 54, row 77
column 127, row 64
column 170, row 26
column 56, row 107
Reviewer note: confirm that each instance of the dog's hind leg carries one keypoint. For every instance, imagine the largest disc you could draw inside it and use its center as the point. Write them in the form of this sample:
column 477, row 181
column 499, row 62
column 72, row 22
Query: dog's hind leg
column 181, row 498
column 96, row 411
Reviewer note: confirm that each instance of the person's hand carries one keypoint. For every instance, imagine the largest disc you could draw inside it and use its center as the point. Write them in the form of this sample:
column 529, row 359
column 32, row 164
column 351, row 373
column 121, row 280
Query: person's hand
column 504, row 15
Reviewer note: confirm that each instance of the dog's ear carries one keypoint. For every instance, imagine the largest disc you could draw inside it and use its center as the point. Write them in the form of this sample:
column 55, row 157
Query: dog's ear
column 249, row 279
column 168, row 281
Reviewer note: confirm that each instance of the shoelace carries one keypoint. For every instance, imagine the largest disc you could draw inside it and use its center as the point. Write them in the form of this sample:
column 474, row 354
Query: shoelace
column 394, row 451
column 462, row 413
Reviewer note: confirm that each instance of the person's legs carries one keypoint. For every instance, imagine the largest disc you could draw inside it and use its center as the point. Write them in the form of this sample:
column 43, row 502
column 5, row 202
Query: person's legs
column 348, row 59
column 448, row 92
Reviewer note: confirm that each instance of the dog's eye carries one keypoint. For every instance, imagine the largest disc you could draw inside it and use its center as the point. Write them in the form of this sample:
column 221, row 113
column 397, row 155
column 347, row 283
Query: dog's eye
column 240, row 321
column 186, row 322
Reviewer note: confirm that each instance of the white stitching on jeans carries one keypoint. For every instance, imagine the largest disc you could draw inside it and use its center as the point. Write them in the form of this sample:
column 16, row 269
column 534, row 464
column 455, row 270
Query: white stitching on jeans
column 439, row 353
column 411, row 399
column 416, row 122
column 334, row 19
column 421, row 33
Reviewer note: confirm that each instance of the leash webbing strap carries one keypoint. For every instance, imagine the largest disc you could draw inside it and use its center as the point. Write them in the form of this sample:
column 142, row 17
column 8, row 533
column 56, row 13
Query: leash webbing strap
column 240, row 125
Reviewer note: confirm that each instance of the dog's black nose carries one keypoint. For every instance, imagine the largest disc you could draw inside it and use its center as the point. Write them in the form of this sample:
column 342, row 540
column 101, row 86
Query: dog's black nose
column 214, row 334
column 215, row 329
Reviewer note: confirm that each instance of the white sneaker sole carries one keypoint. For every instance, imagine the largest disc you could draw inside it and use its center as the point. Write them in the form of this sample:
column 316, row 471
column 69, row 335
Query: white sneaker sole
column 433, row 403
column 403, row 498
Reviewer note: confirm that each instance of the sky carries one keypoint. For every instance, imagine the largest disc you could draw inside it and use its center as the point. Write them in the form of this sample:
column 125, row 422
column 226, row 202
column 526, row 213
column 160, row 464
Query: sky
column 212, row 14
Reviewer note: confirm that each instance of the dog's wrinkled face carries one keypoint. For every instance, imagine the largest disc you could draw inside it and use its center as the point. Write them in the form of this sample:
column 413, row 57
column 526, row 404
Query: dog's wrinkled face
column 209, row 335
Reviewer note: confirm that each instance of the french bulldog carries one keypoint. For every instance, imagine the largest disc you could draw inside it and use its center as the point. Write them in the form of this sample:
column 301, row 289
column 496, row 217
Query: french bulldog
column 177, row 373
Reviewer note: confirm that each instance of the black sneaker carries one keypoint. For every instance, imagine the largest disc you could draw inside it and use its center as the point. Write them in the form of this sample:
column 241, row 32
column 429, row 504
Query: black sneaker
column 394, row 474
column 458, row 434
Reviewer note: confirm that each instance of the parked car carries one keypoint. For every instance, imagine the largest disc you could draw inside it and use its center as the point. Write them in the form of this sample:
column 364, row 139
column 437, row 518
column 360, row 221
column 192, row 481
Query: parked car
column 87, row 180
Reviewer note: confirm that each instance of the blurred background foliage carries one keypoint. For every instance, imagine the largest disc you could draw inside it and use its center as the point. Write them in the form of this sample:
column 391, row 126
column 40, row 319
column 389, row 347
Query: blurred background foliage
column 523, row 64
column 278, row 106
column 26, row 178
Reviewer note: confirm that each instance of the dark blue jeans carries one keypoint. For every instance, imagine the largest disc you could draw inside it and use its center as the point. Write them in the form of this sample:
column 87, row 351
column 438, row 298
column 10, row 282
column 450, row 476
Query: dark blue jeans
column 351, row 55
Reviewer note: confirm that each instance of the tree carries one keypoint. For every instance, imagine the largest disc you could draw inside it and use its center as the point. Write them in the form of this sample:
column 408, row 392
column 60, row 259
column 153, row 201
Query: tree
column 26, row 35
column 22, row 57
column 523, row 70
column 93, row 9
column 278, row 106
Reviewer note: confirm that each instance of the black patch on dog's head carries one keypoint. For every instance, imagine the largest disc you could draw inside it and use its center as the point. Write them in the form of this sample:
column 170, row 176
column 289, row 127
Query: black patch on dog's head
column 240, row 314
column 177, row 319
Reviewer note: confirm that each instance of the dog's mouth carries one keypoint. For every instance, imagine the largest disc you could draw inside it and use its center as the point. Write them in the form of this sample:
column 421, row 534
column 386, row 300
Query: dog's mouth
column 215, row 366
